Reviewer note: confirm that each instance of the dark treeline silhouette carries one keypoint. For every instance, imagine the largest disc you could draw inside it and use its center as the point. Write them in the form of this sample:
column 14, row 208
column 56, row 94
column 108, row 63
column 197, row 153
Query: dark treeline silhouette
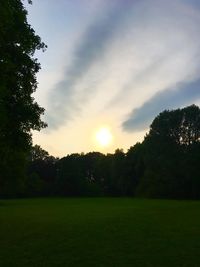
column 165, row 165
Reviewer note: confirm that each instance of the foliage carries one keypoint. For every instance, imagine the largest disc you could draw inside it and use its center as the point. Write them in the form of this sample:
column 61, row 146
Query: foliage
column 180, row 126
column 19, row 113
column 41, row 172
column 172, row 155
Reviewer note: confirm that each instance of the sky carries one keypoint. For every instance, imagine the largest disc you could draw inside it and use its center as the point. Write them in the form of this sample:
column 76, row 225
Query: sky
column 114, row 64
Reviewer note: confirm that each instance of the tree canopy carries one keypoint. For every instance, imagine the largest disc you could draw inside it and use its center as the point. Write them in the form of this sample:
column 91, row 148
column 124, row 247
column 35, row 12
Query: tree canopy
column 171, row 155
column 19, row 112
column 181, row 126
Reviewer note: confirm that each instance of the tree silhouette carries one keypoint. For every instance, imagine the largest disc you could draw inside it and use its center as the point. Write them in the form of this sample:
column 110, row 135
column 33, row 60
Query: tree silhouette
column 171, row 155
column 181, row 126
column 19, row 113
column 42, row 170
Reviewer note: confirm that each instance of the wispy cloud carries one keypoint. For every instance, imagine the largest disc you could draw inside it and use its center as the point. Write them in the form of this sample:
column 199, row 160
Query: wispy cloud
column 62, row 101
column 147, row 48
column 140, row 118
column 164, row 46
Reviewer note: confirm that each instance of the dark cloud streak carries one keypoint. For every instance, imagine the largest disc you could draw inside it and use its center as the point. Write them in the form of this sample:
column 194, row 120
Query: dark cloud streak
column 140, row 118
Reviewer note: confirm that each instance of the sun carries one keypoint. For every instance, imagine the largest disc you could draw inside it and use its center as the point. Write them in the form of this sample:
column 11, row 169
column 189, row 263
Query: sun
column 104, row 137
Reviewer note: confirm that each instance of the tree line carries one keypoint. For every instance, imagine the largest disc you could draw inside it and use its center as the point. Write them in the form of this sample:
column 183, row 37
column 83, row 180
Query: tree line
column 165, row 165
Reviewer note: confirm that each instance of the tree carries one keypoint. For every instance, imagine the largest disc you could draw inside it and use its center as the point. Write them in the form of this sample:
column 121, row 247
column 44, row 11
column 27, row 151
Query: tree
column 19, row 112
column 70, row 175
column 41, row 172
column 37, row 153
column 181, row 126
column 171, row 153
column 118, row 181
column 134, row 166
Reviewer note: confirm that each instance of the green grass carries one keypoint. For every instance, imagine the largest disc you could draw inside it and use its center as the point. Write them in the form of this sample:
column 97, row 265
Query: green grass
column 99, row 232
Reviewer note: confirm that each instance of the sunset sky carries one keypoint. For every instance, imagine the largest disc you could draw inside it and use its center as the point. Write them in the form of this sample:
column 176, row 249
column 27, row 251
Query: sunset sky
column 114, row 64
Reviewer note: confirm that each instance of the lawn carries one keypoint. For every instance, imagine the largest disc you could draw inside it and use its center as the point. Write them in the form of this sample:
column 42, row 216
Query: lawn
column 99, row 232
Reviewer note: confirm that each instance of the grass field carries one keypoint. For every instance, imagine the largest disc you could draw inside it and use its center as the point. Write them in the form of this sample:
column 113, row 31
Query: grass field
column 99, row 232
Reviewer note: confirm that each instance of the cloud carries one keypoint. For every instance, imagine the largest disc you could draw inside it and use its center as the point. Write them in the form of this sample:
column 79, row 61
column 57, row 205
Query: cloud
column 141, row 51
column 184, row 94
column 162, row 47
column 63, row 102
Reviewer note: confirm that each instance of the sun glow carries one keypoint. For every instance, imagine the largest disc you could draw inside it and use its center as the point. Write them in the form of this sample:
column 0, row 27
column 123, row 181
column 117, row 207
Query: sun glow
column 104, row 136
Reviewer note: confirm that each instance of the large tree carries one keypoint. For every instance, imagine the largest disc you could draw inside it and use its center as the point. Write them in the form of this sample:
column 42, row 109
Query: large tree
column 19, row 112
column 171, row 153
column 180, row 126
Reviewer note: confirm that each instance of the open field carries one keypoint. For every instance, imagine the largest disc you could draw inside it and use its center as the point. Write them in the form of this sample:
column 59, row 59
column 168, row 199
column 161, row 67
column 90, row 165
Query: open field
column 99, row 232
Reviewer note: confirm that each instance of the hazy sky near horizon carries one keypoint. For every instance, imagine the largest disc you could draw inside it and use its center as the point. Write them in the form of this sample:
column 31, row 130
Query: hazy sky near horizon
column 113, row 63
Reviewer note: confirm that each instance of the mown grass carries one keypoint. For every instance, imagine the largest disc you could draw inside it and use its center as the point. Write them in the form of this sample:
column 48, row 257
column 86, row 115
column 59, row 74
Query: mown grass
column 99, row 232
